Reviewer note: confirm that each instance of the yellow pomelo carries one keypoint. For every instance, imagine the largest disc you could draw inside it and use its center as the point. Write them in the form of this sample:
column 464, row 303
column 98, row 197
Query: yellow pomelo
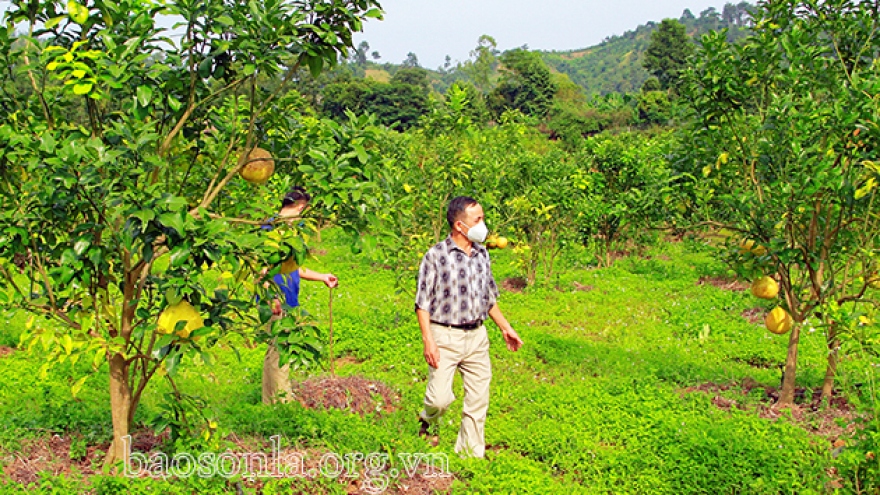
column 874, row 281
column 177, row 312
column 259, row 166
column 778, row 321
column 492, row 241
column 746, row 246
column 501, row 242
column 765, row 288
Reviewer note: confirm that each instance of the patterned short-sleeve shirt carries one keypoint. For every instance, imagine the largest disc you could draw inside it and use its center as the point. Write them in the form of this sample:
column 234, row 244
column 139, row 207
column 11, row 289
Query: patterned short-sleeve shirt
column 455, row 288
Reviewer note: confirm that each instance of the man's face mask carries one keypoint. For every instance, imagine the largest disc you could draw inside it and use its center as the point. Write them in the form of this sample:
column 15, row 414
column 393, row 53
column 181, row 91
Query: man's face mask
column 477, row 233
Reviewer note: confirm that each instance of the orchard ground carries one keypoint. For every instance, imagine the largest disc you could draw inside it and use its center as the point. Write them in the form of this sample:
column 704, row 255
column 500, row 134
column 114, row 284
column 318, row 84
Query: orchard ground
column 651, row 376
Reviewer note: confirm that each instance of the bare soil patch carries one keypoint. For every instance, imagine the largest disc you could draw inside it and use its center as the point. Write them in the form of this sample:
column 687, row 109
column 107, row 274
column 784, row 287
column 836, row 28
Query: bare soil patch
column 723, row 283
column 52, row 454
column 61, row 454
column 808, row 412
column 514, row 284
column 581, row 287
column 353, row 393
column 753, row 315
column 5, row 350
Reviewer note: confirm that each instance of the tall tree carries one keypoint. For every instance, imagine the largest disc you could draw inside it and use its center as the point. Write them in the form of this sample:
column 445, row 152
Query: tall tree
column 784, row 139
column 115, row 218
column 526, row 84
column 667, row 55
column 411, row 60
column 485, row 60
column 359, row 54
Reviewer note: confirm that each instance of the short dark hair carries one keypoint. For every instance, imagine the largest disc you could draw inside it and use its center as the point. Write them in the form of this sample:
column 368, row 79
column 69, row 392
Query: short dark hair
column 297, row 194
column 456, row 208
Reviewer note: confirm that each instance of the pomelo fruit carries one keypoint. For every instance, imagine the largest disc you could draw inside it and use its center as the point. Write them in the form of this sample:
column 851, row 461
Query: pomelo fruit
column 778, row 321
column 501, row 243
column 746, row 246
column 177, row 312
column 259, row 166
column 492, row 241
column 765, row 288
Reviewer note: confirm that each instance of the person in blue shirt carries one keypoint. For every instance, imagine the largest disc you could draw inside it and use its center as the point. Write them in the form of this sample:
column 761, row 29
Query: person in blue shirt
column 276, row 380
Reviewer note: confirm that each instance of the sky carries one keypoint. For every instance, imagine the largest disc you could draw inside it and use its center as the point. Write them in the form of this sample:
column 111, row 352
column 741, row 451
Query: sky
column 433, row 29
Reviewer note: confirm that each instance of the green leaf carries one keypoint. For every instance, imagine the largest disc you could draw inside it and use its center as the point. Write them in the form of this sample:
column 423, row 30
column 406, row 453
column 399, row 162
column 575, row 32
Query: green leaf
column 172, row 362
column 51, row 23
column 83, row 88
column 77, row 12
column 172, row 220
column 172, row 296
column 77, row 386
column 174, row 103
column 179, row 256
column 81, row 246
column 315, row 63
column 265, row 313
column 145, row 216
column 144, row 95
column 68, row 257
column 374, row 13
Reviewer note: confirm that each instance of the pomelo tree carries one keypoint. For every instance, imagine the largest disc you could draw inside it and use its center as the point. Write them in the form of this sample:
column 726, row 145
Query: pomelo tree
column 626, row 185
column 784, row 140
column 121, row 143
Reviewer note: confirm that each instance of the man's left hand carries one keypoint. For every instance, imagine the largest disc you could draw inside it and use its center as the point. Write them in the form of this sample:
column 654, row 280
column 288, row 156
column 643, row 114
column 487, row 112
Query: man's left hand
column 512, row 339
column 330, row 280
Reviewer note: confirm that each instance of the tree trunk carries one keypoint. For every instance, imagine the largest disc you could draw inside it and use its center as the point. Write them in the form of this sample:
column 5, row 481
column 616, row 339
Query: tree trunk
column 831, row 369
column 120, row 405
column 607, row 251
column 786, row 395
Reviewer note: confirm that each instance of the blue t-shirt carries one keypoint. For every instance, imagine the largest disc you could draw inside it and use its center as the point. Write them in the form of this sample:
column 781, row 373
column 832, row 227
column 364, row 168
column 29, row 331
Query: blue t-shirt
column 289, row 284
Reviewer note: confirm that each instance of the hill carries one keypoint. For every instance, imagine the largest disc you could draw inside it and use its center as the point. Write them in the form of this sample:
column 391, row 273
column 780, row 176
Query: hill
column 615, row 65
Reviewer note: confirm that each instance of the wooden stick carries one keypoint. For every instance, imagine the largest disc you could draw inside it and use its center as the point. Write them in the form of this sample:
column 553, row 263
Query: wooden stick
column 330, row 311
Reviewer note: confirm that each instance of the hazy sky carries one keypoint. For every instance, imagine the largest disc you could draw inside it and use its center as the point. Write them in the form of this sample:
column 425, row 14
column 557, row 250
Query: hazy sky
column 433, row 29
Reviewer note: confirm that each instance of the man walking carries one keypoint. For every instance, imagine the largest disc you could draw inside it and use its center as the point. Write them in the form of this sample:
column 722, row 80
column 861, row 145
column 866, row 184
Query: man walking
column 456, row 293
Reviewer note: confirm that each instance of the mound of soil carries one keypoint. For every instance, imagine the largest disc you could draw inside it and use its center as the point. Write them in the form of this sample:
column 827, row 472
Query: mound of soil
column 723, row 283
column 753, row 315
column 514, row 284
column 5, row 351
column 581, row 287
column 54, row 454
column 808, row 411
column 353, row 393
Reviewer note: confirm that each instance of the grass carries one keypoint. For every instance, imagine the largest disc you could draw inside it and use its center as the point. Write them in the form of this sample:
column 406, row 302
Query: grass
column 593, row 403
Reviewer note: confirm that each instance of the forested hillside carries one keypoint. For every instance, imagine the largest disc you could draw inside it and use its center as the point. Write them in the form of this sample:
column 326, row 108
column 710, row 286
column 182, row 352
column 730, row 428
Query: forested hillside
column 615, row 65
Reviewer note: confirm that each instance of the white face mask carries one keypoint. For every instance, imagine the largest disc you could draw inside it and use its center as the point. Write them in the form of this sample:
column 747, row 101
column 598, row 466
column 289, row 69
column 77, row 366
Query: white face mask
column 478, row 232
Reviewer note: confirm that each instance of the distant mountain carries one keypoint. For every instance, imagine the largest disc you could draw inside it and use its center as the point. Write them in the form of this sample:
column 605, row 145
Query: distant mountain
column 615, row 65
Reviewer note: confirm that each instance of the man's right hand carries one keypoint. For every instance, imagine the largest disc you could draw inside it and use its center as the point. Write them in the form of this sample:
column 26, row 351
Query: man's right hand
column 432, row 354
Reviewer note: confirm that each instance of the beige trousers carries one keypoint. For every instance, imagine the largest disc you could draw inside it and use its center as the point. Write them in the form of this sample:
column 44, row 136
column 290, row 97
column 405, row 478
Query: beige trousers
column 468, row 351
column 276, row 380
